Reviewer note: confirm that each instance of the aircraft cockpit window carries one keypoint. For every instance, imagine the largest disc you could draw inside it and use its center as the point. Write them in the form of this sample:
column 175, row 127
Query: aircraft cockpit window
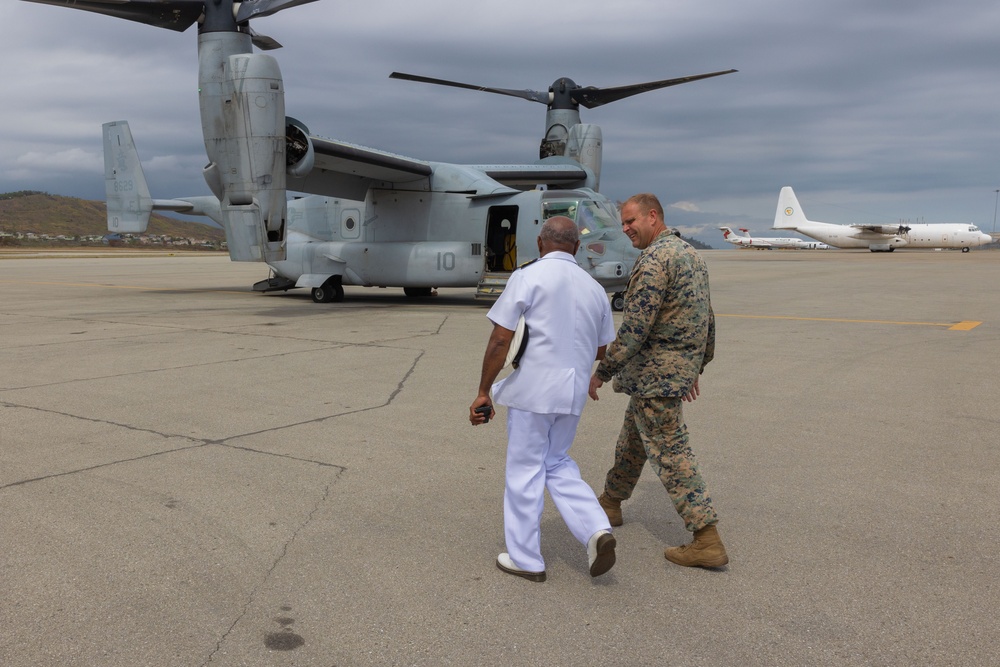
column 551, row 209
column 590, row 216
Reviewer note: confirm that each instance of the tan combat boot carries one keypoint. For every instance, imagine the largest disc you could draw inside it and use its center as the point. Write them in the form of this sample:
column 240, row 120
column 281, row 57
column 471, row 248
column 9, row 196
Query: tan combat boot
column 706, row 550
column 612, row 507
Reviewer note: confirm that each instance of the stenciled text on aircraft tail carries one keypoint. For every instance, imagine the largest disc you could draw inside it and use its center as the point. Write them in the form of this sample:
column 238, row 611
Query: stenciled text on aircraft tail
column 129, row 201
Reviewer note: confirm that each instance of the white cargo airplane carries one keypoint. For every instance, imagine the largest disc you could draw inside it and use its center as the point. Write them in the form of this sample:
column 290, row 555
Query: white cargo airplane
column 876, row 237
column 762, row 243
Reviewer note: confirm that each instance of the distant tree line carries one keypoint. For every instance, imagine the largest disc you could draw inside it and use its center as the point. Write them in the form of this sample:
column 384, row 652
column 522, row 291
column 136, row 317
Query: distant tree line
column 21, row 193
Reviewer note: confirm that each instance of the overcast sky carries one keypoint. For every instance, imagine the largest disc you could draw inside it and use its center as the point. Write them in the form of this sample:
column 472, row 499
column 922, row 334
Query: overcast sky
column 873, row 112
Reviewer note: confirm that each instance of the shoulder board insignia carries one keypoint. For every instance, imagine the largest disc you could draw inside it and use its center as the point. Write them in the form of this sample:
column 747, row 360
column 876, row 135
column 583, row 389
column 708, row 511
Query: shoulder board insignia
column 529, row 263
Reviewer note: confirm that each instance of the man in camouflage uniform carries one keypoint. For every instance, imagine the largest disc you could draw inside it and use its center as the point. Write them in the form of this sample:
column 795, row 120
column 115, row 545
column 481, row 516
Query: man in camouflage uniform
column 666, row 339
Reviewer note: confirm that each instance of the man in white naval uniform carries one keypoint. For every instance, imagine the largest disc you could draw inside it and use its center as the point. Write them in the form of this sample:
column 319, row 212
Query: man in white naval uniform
column 569, row 324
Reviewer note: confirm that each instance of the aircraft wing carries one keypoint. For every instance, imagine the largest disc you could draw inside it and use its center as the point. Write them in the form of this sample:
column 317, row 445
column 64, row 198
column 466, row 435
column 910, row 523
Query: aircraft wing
column 533, row 174
column 347, row 170
column 885, row 230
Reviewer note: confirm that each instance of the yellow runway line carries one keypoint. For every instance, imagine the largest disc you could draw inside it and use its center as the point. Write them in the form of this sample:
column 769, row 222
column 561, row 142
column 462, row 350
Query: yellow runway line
column 952, row 326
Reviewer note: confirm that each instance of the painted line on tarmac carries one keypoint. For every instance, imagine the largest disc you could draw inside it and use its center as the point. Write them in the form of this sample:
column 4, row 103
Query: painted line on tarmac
column 966, row 325
column 193, row 290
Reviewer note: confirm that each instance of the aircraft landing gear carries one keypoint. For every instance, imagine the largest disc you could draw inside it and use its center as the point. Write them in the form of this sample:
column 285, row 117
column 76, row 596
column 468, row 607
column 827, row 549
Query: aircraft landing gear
column 618, row 301
column 417, row 292
column 965, row 249
column 330, row 291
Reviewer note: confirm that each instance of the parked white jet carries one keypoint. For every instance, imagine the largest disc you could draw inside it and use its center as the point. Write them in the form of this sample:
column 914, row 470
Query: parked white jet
column 762, row 243
column 876, row 237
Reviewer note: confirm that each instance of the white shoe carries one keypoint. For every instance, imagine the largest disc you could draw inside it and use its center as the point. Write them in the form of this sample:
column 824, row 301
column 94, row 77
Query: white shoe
column 507, row 565
column 601, row 552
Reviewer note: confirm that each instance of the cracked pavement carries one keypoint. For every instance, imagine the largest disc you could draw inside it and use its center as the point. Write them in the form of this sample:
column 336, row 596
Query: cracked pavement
column 165, row 449
column 192, row 474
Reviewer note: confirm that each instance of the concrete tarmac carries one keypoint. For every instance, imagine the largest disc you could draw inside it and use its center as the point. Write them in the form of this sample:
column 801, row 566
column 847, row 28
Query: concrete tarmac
column 194, row 474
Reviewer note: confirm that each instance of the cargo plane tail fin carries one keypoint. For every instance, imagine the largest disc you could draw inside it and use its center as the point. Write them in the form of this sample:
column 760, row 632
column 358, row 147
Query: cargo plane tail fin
column 789, row 214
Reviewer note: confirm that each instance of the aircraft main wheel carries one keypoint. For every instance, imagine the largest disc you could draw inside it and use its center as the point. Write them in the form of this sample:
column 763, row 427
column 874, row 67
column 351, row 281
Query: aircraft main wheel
column 329, row 292
column 322, row 295
column 414, row 292
column 618, row 301
column 965, row 249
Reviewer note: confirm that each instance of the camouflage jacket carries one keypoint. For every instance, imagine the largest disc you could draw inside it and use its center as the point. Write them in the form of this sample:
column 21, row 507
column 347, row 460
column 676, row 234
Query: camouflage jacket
column 667, row 336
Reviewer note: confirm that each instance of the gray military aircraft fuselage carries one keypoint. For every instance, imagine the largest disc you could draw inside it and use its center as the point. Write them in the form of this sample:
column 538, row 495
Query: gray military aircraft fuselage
column 414, row 239
column 371, row 217
column 329, row 237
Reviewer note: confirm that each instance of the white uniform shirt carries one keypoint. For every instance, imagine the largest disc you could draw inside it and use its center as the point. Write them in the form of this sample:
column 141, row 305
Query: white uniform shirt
column 568, row 317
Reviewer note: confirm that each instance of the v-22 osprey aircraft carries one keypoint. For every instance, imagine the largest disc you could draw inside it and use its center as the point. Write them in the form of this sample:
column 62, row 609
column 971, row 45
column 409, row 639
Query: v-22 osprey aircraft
column 370, row 217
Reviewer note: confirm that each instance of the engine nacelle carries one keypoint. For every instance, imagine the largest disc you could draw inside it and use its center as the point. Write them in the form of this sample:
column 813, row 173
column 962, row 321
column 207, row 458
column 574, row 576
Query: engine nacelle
column 300, row 156
column 585, row 145
column 244, row 125
column 256, row 121
column 243, row 121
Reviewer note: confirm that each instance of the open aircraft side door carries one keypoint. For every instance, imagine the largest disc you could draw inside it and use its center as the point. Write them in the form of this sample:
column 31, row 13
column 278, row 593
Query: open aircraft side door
column 500, row 255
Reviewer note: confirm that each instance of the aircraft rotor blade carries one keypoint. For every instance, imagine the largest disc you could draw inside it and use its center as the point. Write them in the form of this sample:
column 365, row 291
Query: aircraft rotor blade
column 530, row 95
column 250, row 9
column 263, row 42
column 176, row 15
column 591, row 97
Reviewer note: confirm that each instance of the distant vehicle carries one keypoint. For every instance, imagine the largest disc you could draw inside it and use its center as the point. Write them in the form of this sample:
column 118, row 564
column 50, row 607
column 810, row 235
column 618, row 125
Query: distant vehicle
column 768, row 243
column 876, row 237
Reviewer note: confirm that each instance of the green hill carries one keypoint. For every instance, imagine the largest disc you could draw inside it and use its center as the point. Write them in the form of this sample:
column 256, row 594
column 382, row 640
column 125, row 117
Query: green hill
column 42, row 213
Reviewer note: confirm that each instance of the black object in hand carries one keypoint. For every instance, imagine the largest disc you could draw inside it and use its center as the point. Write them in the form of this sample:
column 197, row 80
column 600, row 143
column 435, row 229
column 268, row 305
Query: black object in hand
column 485, row 411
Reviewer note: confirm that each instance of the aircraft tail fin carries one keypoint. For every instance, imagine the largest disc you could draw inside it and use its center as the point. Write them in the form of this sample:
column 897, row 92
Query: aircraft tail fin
column 789, row 214
column 128, row 200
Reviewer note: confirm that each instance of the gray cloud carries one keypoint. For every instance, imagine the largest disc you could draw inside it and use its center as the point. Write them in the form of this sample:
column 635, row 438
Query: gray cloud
column 870, row 112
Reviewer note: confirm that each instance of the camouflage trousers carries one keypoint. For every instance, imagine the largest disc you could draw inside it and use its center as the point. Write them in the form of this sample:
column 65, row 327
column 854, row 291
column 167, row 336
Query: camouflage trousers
column 654, row 431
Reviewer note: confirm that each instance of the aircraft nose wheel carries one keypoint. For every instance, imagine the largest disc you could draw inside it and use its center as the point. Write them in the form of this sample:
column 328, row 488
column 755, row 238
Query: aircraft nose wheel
column 618, row 301
column 330, row 291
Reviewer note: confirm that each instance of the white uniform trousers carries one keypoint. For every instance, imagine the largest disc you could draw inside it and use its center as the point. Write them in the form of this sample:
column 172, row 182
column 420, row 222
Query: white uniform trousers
column 538, row 459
